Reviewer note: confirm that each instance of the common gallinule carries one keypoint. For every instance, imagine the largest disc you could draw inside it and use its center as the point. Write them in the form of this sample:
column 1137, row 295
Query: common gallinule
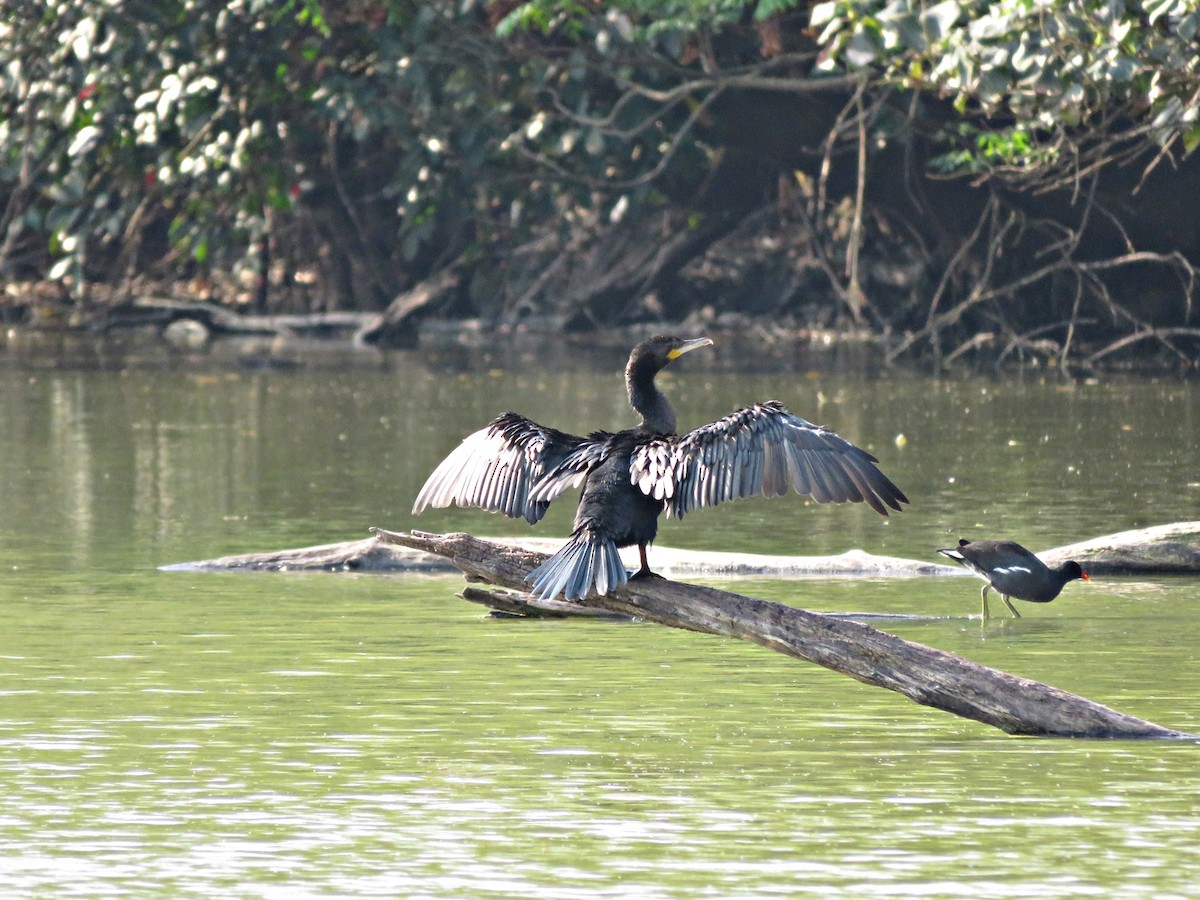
column 1013, row 571
column 517, row 467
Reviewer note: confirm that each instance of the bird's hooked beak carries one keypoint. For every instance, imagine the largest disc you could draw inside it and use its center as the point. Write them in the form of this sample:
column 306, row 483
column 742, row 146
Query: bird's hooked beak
column 688, row 346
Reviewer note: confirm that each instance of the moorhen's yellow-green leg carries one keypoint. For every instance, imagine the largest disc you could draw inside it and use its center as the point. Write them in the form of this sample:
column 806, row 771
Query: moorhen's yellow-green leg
column 983, row 594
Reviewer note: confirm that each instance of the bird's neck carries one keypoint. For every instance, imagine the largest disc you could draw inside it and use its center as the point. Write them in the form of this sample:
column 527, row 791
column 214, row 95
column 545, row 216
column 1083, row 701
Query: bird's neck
column 648, row 401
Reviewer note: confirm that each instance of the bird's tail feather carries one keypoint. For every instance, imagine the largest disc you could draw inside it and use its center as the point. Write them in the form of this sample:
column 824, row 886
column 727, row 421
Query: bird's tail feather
column 583, row 562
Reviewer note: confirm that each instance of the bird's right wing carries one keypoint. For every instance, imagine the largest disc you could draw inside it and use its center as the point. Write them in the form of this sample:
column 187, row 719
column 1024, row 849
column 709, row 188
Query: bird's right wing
column 497, row 467
column 761, row 449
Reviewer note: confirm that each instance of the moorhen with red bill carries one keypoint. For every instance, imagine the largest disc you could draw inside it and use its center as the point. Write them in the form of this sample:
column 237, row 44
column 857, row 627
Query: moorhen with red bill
column 1013, row 571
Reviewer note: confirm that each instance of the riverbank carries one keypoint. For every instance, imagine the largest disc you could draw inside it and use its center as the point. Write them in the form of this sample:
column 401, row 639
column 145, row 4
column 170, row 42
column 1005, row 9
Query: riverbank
column 39, row 330
column 157, row 332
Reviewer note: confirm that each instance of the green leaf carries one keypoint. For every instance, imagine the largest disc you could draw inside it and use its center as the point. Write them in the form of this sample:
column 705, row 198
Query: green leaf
column 1156, row 9
column 1123, row 69
column 861, row 50
column 909, row 32
column 988, row 28
column 60, row 268
column 939, row 19
column 823, row 13
column 1189, row 26
column 768, row 8
column 526, row 17
column 1191, row 138
column 85, row 138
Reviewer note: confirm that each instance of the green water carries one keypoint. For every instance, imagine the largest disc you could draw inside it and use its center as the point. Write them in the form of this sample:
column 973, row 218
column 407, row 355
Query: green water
column 304, row 735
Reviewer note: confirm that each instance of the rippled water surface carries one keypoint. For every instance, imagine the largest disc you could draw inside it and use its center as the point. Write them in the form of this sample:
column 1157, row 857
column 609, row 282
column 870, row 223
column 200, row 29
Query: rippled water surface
column 293, row 735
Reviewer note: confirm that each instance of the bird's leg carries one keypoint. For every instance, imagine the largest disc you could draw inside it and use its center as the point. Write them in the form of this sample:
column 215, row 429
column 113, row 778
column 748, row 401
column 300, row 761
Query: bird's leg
column 984, row 594
column 1011, row 608
column 644, row 571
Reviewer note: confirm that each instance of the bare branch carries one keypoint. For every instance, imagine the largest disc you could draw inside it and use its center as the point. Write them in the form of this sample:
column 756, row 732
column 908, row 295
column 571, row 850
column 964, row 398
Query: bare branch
column 855, row 298
column 677, row 141
column 1159, row 334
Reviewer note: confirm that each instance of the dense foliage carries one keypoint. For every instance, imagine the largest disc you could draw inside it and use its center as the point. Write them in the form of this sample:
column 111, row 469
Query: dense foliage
column 1047, row 79
column 221, row 138
column 951, row 175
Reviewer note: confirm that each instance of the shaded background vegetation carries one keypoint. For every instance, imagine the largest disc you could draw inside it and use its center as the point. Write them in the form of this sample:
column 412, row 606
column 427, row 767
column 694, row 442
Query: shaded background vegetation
column 964, row 177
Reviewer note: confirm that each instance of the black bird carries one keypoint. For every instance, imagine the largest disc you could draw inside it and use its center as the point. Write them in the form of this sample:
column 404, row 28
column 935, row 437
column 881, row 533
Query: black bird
column 517, row 467
column 1013, row 571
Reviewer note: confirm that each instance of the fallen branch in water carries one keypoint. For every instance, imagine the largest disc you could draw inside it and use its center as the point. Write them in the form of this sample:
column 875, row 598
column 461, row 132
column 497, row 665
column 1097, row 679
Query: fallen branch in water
column 1161, row 550
column 925, row 675
column 511, row 603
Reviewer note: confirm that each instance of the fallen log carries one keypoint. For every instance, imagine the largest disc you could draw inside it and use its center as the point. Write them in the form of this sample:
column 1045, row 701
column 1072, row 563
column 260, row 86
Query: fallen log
column 369, row 555
column 366, row 555
column 1161, row 550
column 507, row 604
column 925, row 675
column 160, row 312
column 396, row 325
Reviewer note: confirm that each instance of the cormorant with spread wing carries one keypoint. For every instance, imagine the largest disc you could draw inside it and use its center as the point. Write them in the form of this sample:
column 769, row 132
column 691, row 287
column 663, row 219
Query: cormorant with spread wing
column 517, row 467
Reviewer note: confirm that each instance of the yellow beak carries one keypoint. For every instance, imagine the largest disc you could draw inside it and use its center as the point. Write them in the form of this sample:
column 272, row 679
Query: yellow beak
column 689, row 346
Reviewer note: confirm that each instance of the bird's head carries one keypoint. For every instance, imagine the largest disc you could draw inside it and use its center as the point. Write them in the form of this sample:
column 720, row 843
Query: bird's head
column 656, row 352
column 646, row 360
column 1075, row 570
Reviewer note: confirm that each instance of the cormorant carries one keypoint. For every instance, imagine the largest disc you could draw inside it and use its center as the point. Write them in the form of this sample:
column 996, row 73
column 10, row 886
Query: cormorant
column 1013, row 571
column 517, row 467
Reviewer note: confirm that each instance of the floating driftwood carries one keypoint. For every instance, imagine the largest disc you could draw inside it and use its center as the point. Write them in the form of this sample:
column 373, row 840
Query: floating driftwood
column 928, row 676
column 369, row 555
column 1161, row 550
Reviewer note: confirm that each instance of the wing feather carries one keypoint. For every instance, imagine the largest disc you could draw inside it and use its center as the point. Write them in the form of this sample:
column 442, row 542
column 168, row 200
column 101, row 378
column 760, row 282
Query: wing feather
column 570, row 471
column 761, row 449
column 497, row 468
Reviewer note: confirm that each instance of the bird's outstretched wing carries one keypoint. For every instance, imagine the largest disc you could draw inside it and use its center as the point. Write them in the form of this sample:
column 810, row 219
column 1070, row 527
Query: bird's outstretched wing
column 496, row 468
column 573, row 468
column 761, row 449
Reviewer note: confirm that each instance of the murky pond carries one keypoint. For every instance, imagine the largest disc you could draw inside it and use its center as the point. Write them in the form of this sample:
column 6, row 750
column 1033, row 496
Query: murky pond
column 172, row 734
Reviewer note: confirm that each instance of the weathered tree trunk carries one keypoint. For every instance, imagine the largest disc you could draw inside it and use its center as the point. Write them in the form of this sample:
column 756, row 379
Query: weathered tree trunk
column 928, row 676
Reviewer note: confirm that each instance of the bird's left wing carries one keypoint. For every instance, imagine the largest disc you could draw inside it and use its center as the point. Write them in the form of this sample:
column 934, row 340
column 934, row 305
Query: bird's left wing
column 761, row 449
column 573, row 468
column 496, row 468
